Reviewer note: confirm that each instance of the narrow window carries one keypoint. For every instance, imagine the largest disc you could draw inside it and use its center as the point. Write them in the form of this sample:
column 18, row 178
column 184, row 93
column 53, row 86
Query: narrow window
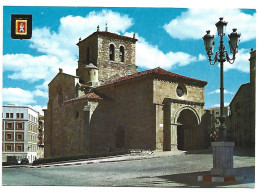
column 17, row 115
column 7, row 115
column 88, row 55
column 112, row 52
column 9, row 136
column 11, row 115
column 19, row 148
column 19, row 126
column 60, row 98
column 19, row 136
column 9, row 125
column 122, row 54
column 8, row 148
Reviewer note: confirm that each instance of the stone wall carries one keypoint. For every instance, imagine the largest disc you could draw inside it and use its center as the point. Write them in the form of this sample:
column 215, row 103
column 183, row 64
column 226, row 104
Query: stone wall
column 242, row 130
column 98, row 45
column 167, row 112
column 109, row 69
column 61, row 88
column 128, row 106
column 166, row 89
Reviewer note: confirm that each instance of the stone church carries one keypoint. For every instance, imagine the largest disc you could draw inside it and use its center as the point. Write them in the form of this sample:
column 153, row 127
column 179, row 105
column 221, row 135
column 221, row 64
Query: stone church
column 110, row 106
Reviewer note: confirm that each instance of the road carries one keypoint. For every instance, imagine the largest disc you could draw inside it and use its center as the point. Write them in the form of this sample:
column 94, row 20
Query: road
column 165, row 171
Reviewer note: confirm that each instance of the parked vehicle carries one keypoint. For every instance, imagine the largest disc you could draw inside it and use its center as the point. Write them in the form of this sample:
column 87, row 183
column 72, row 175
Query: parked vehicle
column 11, row 160
column 24, row 161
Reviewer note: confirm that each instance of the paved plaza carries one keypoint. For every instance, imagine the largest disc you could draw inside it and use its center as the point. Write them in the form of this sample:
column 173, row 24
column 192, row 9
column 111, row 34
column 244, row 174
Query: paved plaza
column 160, row 169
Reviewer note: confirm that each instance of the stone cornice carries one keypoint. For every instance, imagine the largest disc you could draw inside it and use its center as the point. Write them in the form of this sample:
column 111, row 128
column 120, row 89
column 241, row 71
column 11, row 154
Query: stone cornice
column 185, row 102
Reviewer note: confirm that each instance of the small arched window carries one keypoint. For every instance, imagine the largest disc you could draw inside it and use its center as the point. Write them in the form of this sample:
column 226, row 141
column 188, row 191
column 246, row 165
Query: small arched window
column 77, row 114
column 122, row 54
column 88, row 54
column 112, row 52
column 60, row 98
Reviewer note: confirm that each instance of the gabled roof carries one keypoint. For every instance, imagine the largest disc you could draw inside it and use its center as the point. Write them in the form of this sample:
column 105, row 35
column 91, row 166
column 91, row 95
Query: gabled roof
column 90, row 96
column 155, row 71
column 61, row 73
column 106, row 33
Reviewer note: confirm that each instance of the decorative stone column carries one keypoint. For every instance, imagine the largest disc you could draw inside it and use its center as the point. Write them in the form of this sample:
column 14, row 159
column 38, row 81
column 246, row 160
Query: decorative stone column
column 222, row 158
column 174, row 137
column 169, row 128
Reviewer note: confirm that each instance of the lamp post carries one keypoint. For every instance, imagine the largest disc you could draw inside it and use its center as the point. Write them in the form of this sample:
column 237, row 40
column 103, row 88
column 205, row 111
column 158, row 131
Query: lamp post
column 222, row 150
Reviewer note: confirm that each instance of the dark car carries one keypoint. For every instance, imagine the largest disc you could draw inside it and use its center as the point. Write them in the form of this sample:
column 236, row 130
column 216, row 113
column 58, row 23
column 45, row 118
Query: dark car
column 11, row 160
column 24, row 161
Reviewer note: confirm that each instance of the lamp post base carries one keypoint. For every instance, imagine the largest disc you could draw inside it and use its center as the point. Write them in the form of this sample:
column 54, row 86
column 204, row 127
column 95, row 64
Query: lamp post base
column 222, row 158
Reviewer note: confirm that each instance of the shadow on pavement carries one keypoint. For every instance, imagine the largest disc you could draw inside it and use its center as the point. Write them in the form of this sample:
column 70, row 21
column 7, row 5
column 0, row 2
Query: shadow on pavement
column 190, row 180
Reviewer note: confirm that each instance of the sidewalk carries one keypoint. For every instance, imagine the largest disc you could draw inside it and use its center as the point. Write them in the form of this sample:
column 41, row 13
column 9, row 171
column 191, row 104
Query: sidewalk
column 126, row 157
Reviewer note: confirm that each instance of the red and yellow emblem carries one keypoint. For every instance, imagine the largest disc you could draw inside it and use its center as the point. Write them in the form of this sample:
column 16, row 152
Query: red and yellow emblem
column 21, row 27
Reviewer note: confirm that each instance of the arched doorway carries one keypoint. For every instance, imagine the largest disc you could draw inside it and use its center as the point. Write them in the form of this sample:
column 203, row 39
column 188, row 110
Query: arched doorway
column 187, row 125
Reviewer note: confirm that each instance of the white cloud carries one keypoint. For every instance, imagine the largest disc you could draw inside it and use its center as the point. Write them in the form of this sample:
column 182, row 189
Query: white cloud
column 17, row 96
column 150, row 56
column 38, row 108
column 40, row 93
column 218, row 91
column 218, row 105
column 61, row 51
column 60, row 47
column 202, row 57
column 241, row 62
column 63, row 43
column 31, row 68
column 43, row 86
column 193, row 23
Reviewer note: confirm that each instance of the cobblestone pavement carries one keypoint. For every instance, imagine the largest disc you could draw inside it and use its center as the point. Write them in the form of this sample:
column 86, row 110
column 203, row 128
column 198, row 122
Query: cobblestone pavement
column 160, row 169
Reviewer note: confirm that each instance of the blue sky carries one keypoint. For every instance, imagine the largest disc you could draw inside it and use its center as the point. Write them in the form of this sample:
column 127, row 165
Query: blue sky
column 168, row 37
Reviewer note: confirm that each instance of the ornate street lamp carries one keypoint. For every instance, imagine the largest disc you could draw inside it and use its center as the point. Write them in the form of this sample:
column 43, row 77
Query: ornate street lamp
column 221, row 56
column 222, row 150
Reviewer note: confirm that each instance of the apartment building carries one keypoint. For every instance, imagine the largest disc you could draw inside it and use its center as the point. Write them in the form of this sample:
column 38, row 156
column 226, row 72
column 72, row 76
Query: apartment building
column 40, row 150
column 215, row 112
column 19, row 132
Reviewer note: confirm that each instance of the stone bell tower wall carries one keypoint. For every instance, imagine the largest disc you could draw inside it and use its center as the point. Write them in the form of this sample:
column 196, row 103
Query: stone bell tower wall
column 95, row 49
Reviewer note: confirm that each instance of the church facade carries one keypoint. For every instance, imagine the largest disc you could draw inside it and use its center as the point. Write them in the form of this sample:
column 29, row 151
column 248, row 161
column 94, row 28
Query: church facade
column 110, row 106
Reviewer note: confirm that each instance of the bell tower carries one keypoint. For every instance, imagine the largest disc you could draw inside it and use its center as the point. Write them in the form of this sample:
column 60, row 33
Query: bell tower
column 112, row 54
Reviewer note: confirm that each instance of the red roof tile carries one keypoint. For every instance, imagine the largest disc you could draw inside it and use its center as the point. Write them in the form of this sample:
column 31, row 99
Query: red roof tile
column 86, row 96
column 155, row 71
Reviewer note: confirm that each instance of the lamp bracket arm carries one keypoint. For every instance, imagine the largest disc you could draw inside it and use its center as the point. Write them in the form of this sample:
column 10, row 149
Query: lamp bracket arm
column 213, row 62
column 230, row 60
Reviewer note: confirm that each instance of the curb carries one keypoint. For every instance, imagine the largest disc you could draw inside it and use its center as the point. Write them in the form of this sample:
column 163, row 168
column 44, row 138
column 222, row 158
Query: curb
column 82, row 162
column 221, row 179
column 70, row 164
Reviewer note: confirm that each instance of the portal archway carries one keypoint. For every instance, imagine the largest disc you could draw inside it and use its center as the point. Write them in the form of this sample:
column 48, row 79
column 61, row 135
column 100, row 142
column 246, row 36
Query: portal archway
column 187, row 124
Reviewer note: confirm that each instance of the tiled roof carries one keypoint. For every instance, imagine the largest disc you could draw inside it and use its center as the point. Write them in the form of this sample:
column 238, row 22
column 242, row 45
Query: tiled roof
column 86, row 96
column 155, row 71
